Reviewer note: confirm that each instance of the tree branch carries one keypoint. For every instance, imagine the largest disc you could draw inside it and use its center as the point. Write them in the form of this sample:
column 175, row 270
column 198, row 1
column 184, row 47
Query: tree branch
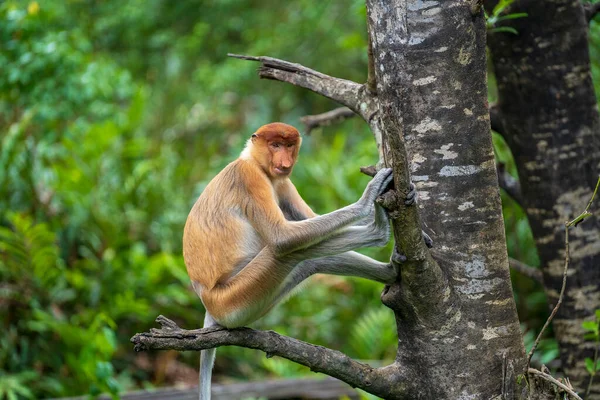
column 526, row 270
column 327, row 118
column 591, row 9
column 348, row 93
column 560, row 297
column 317, row 358
column 555, row 381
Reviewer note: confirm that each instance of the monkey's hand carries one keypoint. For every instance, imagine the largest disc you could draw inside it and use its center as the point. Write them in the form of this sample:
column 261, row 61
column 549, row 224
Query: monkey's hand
column 375, row 188
column 379, row 227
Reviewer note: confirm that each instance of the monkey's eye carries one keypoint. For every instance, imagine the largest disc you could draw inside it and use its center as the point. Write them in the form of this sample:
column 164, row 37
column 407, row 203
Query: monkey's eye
column 290, row 145
column 275, row 145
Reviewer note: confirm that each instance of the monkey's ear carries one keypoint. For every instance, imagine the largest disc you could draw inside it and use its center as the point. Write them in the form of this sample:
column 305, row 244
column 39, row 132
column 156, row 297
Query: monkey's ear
column 254, row 136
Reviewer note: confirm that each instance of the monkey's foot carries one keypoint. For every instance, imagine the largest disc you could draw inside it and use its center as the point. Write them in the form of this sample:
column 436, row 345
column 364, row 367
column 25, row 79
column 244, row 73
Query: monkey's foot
column 397, row 258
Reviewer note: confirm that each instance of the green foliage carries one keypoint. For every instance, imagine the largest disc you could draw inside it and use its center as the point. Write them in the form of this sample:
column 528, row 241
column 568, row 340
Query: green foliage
column 498, row 16
column 593, row 329
column 115, row 115
column 546, row 350
column 373, row 335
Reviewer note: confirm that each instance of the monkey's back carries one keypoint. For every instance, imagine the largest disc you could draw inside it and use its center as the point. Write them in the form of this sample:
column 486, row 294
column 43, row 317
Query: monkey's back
column 217, row 236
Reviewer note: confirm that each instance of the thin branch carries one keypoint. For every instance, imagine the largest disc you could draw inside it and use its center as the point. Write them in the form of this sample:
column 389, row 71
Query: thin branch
column 555, row 381
column 348, row 93
column 560, row 298
column 585, row 214
column 527, row 270
column 591, row 9
column 371, row 170
column 317, row 358
column 325, row 119
column 509, row 184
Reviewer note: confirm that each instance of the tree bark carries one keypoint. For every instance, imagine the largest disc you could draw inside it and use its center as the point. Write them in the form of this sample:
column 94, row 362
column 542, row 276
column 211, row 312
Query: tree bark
column 456, row 320
column 548, row 115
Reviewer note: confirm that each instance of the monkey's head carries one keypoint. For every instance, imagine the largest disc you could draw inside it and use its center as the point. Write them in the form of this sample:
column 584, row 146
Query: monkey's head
column 275, row 147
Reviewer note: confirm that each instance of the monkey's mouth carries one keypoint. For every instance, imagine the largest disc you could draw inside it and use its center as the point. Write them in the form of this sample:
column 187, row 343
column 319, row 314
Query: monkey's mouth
column 281, row 171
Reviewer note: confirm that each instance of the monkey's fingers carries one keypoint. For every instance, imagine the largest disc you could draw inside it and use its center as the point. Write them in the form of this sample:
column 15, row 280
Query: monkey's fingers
column 427, row 239
column 411, row 197
column 386, row 174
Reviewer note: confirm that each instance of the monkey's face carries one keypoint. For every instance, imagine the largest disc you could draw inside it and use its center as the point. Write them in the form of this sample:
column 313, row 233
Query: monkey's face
column 279, row 143
column 283, row 156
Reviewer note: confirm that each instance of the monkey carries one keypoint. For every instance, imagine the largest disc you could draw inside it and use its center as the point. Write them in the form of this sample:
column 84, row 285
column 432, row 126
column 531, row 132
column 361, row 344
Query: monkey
column 250, row 238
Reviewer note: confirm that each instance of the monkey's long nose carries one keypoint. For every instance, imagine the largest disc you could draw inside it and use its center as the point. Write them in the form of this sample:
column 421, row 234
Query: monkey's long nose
column 286, row 164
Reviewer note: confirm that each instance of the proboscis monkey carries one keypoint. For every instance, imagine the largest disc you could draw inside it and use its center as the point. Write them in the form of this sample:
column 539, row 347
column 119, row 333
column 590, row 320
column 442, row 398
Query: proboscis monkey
column 250, row 238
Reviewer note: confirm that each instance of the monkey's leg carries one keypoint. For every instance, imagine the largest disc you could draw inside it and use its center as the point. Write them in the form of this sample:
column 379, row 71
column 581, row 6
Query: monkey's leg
column 247, row 295
column 345, row 264
column 265, row 281
column 374, row 233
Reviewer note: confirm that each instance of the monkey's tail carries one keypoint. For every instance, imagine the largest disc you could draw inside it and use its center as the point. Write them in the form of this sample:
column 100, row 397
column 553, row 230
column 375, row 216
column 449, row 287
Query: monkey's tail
column 207, row 359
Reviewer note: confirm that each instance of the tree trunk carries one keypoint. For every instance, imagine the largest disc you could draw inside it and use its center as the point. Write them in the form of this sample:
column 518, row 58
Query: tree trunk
column 456, row 318
column 426, row 102
column 547, row 113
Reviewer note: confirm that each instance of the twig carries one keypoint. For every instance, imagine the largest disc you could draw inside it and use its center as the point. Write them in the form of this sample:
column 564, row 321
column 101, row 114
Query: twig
column 351, row 94
column 555, row 381
column 585, row 214
column 325, row 119
column 580, row 218
column 317, row 358
column 558, row 303
column 527, row 270
column 371, row 170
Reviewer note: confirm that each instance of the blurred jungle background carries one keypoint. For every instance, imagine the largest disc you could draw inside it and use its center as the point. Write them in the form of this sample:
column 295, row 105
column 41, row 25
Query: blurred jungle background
column 114, row 115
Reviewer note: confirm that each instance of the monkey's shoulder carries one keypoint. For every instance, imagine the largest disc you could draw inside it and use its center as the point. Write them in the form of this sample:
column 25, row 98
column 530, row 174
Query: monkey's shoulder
column 239, row 177
column 235, row 193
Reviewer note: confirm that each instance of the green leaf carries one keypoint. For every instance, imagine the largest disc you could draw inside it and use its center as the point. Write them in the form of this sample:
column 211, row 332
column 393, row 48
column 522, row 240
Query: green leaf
column 502, row 4
column 591, row 326
column 511, row 16
column 589, row 365
column 504, row 29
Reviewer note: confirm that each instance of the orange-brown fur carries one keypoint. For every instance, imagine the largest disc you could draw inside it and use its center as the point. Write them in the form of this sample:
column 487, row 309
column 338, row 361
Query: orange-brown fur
column 242, row 200
column 250, row 238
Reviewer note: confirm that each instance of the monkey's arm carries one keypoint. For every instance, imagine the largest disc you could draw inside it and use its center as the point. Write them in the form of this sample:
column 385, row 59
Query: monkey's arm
column 285, row 236
column 292, row 204
column 372, row 230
